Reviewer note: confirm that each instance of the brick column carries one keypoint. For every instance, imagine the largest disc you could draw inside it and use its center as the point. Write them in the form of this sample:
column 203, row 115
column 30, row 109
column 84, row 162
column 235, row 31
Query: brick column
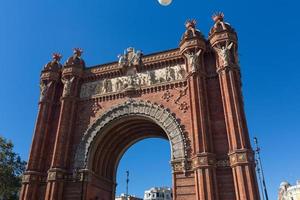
column 70, row 79
column 224, row 41
column 240, row 152
column 35, row 174
column 193, row 47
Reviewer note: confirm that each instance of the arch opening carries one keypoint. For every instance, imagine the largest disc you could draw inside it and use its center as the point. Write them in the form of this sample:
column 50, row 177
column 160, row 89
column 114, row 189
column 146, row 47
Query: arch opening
column 105, row 142
column 147, row 163
column 107, row 149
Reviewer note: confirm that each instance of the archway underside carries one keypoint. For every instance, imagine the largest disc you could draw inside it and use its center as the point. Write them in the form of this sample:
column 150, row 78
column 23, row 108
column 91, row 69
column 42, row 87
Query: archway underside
column 108, row 149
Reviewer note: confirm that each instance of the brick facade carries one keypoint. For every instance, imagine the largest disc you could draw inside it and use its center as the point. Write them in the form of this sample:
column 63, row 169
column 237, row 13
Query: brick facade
column 190, row 95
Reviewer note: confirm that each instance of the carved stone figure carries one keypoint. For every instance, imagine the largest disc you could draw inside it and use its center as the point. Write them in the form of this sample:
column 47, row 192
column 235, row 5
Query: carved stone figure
column 122, row 59
column 90, row 89
column 193, row 59
column 119, row 84
column 138, row 80
column 224, row 54
column 97, row 87
column 67, row 86
column 180, row 72
column 130, row 57
column 106, row 86
column 143, row 79
column 160, row 75
column 170, row 74
column 151, row 77
column 167, row 74
column 132, row 80
column 44, row 89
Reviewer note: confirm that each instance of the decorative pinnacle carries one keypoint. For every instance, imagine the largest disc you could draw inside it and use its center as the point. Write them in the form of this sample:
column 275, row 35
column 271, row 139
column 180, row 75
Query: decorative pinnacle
column 190, row 23
column 56, row 57
column 77, row 51
column 218, row 16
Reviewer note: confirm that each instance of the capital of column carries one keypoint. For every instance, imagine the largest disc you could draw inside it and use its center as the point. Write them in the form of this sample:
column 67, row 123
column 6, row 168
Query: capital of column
column 51, row 71
column 85, row 175
column 241, row 157
column 56, row 174
column 50, row 76
column 33, row 177
column 224, row 69
column 203, row 160
column 70, row 74
column 181, row 166
column 222, row 37
column 71, row 71
column 192, row 44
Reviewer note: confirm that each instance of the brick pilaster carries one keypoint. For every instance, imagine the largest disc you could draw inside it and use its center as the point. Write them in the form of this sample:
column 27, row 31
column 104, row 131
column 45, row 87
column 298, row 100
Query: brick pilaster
column 34, row 175
column 55, row 181
column 240, row 152
column 193, row 49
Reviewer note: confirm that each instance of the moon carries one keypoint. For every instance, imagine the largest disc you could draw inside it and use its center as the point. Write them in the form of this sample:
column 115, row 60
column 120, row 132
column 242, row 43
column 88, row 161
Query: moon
column 165, row 2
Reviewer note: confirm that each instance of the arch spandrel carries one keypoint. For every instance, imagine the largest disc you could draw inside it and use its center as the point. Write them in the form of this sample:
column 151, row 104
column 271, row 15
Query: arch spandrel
column 154, row 112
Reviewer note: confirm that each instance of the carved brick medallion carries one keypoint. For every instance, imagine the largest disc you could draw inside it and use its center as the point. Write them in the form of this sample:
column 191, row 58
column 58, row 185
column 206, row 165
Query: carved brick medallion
column 183, row 106
column 241, row 157
column 167, row 95
column 181, row 93
column 96, row 107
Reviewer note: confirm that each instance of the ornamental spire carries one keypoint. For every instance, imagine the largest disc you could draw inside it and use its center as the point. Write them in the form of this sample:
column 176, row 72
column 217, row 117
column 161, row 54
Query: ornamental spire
column 75, row 59
column 54, row 64
column 218, row 17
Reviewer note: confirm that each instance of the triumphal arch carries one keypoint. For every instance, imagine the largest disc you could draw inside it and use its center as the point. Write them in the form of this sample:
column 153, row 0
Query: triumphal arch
column 191, row 95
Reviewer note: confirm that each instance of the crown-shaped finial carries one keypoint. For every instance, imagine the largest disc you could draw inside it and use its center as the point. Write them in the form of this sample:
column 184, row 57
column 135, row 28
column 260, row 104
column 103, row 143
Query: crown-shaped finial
column 190, row 23
column 77, row 51
column 56, row 57
column 218, row 16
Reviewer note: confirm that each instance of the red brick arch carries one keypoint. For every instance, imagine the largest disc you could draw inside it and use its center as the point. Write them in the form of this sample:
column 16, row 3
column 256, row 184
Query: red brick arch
column 89, row 116
column 167, row 126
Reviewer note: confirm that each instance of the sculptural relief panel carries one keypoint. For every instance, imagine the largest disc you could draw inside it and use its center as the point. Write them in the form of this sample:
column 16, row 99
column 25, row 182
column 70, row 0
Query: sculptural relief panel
column 137, row 80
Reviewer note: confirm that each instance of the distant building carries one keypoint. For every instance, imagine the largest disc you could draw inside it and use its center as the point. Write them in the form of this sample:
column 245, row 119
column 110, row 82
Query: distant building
column 129, row 197
column 158, row 193
column 289, row 192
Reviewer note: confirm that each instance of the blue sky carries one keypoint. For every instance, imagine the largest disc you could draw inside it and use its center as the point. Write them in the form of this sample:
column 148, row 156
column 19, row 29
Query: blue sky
column 269, row 54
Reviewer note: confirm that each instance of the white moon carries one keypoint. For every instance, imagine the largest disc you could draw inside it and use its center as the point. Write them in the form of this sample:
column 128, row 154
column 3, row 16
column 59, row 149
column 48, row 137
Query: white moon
column 165, row 2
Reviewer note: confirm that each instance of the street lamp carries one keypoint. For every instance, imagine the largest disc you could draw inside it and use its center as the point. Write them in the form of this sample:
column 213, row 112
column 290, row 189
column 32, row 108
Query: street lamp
column 260, row 168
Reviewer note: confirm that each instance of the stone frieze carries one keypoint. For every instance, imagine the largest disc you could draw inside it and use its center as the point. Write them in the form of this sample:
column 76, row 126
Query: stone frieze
column 138, row 80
